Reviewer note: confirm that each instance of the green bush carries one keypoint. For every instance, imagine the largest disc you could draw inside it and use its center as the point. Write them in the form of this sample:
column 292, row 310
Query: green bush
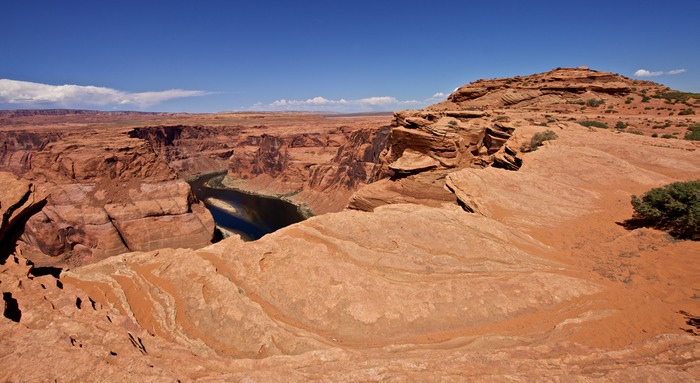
column 679, row 96
column 686, row 112
column 693, row 133
column 596, row 124
column 637, row 132
column 453, row 122
column 620, row 125
column 668, row 136
column 537, row 140
column 594, row 103
column 673, row 207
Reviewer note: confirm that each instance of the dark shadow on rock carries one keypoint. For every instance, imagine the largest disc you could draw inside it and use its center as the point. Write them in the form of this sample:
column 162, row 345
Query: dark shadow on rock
column 15, row 229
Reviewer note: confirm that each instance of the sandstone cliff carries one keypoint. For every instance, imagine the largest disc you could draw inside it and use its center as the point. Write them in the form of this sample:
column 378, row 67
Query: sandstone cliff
column 105, row 194
column 471, row 261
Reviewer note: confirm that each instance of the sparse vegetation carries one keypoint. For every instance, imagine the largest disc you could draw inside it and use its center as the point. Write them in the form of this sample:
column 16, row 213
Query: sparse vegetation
column 594, row 103
column 537, row 140
column 620, row 125
column 637, row 132
column 595, row 124
column 541, row 124
column 654, row 135
column 674, row 207
column 629, row 100
column 645, row 98
column 677, row 96
column 453, row 123
column 499, row 118
column 693, row 133
column 686, row 112
column 668, row 136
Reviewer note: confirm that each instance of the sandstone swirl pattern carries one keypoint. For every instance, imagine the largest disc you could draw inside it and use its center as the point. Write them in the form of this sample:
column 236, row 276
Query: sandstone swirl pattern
column 355, row 278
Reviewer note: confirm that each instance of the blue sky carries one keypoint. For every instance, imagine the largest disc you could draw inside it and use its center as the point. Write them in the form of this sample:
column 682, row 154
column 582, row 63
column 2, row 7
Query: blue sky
column 209, row 56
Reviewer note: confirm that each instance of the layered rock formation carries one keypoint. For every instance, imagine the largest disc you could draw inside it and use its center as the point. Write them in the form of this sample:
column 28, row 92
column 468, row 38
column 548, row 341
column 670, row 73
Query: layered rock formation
column 540, row 271
column 113, row 189
column 105, row 194
column 471, row 262
column 318, row 169
column 557, row 86
column 424, row 146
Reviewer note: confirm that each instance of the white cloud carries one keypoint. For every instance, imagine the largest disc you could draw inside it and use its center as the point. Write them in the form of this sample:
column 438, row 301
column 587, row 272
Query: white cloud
column 368, row 104
column 676, row 71
column 647, row 73
column 30, row 94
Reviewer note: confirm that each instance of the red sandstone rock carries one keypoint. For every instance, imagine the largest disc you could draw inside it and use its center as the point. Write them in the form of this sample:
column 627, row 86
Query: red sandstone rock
column 540, row 283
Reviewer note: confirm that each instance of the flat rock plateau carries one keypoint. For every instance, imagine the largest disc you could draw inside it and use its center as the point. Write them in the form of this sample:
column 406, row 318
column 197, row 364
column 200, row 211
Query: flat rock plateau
column 440, row 249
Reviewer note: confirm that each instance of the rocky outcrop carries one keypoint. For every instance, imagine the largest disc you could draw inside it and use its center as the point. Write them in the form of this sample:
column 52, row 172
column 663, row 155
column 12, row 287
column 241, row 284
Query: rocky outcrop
column 423, row 146
column 105, row 194
column 191, row 150
column 18, row 147
column 18, row 202
column 368, row 266
column 319, row 170
column 556, row 86
column 426, row 140
column 539, row 282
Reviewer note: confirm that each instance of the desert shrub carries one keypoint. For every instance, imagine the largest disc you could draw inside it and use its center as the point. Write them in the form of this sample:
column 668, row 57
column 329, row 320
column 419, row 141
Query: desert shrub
column 677, row 96
column 620, row 125
column 645, row 98
column 693, row 133
column 692, row 136
column 686, row 112
column 541, row 124
column 668, row 136
column 595, row 124
column 593, row 103
column 637, row 132
column 499, row 118
column 654, row 135
column 537, row 140
column 452, row 122
column 673, row 207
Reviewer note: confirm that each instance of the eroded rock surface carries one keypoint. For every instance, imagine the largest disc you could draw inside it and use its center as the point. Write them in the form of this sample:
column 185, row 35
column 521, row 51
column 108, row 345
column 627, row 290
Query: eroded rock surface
column 461, row 267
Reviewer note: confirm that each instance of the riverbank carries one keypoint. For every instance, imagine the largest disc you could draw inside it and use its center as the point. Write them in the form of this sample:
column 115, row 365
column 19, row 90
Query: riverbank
column 249, row 215
column 244, row 186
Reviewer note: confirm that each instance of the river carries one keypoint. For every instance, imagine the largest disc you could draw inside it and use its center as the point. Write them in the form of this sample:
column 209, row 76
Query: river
column 249, row 215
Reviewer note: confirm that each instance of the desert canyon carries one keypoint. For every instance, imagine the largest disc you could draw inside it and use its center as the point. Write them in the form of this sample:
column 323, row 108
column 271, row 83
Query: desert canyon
column 438, row 246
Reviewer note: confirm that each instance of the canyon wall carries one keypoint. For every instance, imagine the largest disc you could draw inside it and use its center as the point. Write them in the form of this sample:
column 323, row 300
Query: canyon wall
column 105, row 194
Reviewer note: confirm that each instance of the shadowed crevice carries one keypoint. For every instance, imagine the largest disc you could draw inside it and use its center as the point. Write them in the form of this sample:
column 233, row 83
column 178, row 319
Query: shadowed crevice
column 12, row 311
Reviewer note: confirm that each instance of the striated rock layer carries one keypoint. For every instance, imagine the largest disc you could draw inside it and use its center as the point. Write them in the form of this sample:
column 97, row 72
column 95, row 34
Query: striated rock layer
column 105, row 194
column 470, row 261
column 114, row 189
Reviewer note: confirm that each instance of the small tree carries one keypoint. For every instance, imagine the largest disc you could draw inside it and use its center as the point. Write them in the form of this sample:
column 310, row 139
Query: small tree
column 674, row 207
